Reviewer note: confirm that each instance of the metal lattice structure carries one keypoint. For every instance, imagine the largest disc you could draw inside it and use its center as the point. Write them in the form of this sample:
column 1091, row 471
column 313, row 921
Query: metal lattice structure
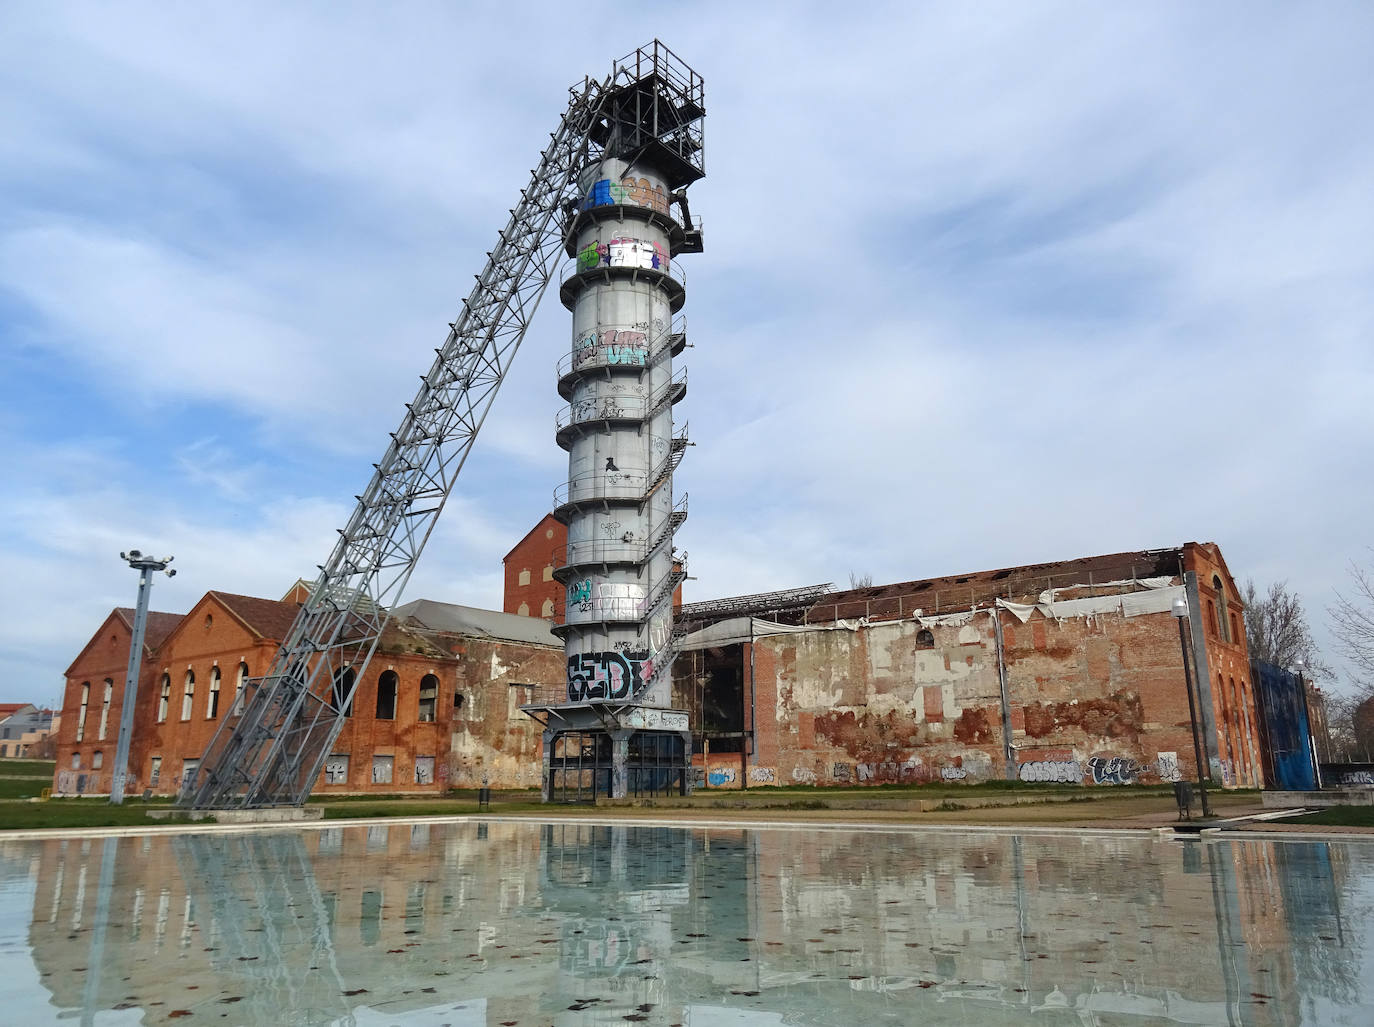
column 273, row 752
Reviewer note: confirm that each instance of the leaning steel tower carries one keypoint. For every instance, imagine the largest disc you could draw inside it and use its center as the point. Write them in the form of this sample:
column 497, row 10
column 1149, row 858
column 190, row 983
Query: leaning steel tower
column 616, row 734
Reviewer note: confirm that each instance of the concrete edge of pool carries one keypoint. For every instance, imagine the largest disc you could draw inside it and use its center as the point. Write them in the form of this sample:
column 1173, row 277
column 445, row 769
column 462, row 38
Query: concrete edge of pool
column 887, row 827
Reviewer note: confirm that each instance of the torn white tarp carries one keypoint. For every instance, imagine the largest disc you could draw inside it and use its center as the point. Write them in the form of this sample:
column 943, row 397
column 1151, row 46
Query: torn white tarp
column 1156, row 598
column 1049, row 595
column 746, row 629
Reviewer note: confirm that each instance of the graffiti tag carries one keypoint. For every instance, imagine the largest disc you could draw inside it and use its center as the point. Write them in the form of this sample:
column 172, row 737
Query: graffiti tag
column 1357, row 777
column 840, row 771
column 623, row 251
column 1114, row 770
column 761, row 775
column 953, row 773
column 607, row 675
column 803, row 776
column 629, row 189
column 1063, row 771
column 720, row 776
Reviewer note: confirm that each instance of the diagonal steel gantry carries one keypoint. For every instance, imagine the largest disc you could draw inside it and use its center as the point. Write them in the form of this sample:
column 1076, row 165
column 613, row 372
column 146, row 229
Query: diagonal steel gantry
column 272, row 753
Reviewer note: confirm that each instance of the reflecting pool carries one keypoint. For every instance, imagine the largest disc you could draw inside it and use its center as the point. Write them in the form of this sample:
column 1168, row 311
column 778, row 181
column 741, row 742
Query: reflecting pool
column 571, row 923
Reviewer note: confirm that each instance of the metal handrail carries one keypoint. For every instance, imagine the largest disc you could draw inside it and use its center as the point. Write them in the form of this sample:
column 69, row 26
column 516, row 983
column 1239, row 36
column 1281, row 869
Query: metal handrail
column 606, row 550
column 597, row 357
column 619, row 408
column 627, row 257
column 585, row 488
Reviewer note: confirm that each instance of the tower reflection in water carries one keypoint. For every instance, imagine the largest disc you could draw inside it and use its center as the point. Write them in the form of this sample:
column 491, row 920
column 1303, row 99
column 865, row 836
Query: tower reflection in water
column 576, row 923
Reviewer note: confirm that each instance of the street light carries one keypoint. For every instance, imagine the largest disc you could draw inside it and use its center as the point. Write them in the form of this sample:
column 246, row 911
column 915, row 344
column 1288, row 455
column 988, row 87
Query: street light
column 145, row 565
column 1299, row 666
column 1180, row 611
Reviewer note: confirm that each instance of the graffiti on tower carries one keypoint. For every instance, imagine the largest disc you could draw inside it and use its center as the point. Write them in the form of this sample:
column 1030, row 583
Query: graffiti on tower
column 607, row 675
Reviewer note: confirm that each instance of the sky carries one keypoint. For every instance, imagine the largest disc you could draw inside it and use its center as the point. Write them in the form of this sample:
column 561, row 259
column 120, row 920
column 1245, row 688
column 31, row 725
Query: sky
column 984, row 285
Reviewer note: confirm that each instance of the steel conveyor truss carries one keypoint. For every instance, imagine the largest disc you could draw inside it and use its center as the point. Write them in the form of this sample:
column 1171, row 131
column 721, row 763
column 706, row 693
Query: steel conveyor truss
column 272, row 754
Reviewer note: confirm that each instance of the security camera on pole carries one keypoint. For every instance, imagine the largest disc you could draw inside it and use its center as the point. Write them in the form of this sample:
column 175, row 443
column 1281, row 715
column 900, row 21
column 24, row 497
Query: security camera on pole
column 145, row 565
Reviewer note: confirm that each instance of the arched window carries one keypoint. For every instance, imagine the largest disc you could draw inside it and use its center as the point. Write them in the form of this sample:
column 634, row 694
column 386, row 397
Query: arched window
column 547, row 609
column 239, row 686
column 386, row 695
column 97, row 760
column 1212, row 617
column 343, row 690
column 164, row 698
column 188, row 695
column 105, row 709
column 1225, row 628
column 457, row 700
column 925, row 639
column 212, row 704
column 81, row 715
column 429, row 697
column 523, row 609
column 524, row 578
column 1236, row 633
column 548, row 572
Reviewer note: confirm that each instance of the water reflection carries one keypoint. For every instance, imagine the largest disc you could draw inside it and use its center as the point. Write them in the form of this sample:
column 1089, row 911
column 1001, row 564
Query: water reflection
column 581, row 924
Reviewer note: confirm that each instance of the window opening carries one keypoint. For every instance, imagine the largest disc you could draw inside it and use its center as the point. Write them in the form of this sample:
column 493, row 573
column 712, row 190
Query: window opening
column 343, row 690
column 81, row 716
column 188, row 696
column 165, row 698
column 429, row 697
column 105, row 709
column 925, row 639
column 240, row 686
column 424, row 770
column 212, row 705
column 386, row 695
column 97, row 760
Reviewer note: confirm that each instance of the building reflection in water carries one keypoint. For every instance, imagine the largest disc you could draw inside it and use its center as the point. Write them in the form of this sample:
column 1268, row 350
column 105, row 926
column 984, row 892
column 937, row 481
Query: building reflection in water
column 573, row 923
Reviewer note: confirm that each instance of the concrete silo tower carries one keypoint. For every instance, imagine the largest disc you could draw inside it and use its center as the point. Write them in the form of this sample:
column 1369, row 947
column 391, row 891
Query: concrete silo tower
column 616, row 734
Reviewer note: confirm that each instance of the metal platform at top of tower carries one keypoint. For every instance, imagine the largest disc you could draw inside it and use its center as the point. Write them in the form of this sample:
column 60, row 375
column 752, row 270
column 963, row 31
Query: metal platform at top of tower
column 646, row 113
column 654, row 113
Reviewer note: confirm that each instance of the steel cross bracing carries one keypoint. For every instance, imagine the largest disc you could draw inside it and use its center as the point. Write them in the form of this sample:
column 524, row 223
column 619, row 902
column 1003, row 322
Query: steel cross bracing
column 272, row 753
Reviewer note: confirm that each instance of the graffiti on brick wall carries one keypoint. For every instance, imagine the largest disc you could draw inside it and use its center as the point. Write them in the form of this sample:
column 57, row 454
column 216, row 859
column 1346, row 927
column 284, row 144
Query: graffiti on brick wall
column 336, row 770
column 629, row 190
column 761, row 775
column 1114, row 770
column 1166, row 766
column 840, row 772
column 698, row 777
column 1062, row 771
column 803, row 776
column 623, row 251
column 718, row 776
column 953, row 773
column 607, row 675
column 909, row 771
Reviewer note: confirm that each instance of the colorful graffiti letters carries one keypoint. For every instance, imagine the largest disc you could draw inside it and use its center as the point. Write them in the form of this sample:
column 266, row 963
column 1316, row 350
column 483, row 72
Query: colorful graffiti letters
column 623, row 251
column 639, row 191
column 718, row 776
column 606, row 675
column 580, row 591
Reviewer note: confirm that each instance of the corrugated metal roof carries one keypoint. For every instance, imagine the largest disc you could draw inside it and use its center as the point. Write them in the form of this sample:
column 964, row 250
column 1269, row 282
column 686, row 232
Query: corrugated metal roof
column 467, row 620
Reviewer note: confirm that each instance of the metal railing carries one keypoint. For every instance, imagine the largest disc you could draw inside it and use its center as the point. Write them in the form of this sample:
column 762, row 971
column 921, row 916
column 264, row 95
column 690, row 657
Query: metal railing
column 599, row 352
column 607, row 550
column 621, row 408
column 641, row 257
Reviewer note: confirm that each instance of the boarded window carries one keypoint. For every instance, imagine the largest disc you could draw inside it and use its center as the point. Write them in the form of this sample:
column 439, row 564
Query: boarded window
column 165, row 698
column 239, row 686
column 81, row 715
column 154, row 771
column 105, row 709
column 424, row 770
column 381, row 769
column 97, row 760
column 524, row 577
column 336, row 769
column 188, row 694
column 547, row 610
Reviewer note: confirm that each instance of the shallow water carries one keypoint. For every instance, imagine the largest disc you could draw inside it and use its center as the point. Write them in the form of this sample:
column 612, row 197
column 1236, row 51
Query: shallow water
column 575, row 924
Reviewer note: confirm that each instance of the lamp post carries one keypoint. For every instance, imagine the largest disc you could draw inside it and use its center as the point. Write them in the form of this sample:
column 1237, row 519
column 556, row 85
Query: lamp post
column 1180, row 611
column 145, row 565
column 1299, row 666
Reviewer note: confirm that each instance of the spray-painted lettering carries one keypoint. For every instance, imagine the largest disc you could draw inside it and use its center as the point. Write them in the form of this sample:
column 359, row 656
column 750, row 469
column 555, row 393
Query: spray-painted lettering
column 718, row 776
column 840, row 772
column 1166, row 766
column 803, row 776
column 1114, row 770
column 623, row 251
column 761, row 775
column 638, row 191
column 605, row 675
column 1060, row 771
column 953, row 773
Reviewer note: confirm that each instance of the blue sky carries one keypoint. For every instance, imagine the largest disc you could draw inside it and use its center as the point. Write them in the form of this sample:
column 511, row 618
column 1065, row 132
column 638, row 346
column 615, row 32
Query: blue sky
column 984, row 285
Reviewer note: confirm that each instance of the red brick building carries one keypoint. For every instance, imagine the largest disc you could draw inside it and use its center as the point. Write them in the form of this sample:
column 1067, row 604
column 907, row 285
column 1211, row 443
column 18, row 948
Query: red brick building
column 438, row 707
column 530, row 590
column 1069, row 671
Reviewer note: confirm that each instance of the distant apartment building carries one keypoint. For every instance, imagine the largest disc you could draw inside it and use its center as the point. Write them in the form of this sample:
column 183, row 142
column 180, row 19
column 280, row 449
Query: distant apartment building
column 24, row 730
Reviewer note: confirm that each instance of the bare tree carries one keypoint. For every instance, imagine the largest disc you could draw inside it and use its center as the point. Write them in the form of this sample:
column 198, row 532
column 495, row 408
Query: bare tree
column 1352, row 622
column 857, row 580
column 1276, row 629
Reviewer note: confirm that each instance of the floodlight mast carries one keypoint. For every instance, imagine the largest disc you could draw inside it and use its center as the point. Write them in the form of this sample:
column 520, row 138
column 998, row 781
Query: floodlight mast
column 146, row 567
column 271, row 754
